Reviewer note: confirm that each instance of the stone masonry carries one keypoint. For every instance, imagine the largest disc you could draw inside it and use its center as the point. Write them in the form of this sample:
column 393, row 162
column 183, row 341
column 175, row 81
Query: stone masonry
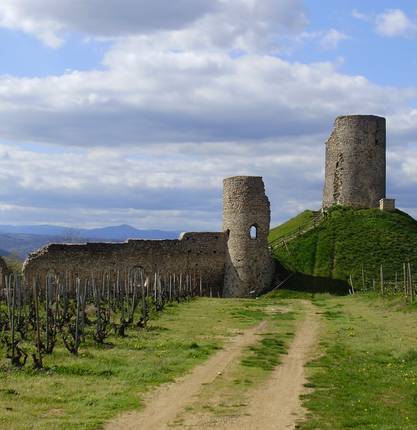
column 230, row 259
column 198, row 253
column 387, row 205
column 249, row 265
column 355, row 162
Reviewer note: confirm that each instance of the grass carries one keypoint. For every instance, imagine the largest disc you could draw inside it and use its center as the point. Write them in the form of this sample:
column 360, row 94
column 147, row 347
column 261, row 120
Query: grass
column 349, row 240
column 366, row 376
column 266, row 353
column 85, row 391
column 291, row 226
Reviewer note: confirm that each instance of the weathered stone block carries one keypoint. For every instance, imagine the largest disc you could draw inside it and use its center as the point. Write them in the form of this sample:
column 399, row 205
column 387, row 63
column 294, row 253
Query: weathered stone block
column 387, row 205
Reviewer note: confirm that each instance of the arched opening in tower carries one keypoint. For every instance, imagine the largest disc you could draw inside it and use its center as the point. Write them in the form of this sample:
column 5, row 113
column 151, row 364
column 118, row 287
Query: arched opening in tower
column 253, row 232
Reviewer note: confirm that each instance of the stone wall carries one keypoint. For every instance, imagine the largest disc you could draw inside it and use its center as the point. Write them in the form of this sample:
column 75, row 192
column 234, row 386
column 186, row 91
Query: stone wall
column 249, row 265
column 355, row 162
column 198, row 253
column 230, row 263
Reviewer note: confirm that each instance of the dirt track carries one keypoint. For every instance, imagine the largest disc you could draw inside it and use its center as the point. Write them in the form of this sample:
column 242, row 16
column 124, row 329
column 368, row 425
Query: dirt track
column 275, row 405
column 164, row 405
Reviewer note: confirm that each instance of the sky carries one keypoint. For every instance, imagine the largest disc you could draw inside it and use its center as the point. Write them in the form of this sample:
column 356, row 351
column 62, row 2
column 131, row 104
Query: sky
column 133, row 111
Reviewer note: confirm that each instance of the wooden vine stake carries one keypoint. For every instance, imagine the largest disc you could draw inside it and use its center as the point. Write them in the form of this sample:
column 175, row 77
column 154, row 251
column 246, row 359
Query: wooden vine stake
column 363, row 279
column 37, row 360
column 410, row 282
column 382, row 281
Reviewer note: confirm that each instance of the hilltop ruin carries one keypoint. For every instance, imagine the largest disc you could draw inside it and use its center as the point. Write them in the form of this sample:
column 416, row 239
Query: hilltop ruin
column 237, row 261
column 229, row 263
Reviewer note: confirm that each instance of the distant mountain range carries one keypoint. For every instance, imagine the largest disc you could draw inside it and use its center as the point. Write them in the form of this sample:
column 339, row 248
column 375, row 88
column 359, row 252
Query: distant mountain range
column 22, row 240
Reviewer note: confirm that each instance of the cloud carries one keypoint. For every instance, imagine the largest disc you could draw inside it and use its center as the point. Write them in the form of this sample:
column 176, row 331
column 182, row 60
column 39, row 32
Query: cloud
column 172, row 188
column 394, row 22
column 148, row 139
column 361, row 16
column 49, row 19
column 240, row 23
column 390, row 23
column 332, row 38
column 180, row 103
column 149, row 96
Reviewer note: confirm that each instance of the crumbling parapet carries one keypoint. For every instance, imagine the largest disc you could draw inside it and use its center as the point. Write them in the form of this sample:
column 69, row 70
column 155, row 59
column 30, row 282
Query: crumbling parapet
column 246, row 221
column 356, row 162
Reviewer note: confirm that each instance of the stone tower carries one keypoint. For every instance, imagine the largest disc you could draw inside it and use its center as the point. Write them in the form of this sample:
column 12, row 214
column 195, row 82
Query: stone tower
column 246, row 217
column 355, row 162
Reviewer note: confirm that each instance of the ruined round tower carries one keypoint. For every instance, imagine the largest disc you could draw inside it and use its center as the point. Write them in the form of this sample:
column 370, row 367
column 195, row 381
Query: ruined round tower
column 246, row 217
column 355, row 162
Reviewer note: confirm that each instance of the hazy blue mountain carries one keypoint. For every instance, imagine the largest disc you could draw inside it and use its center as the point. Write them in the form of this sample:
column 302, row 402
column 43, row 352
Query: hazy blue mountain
column 49, row 230
column 22, row 240
column 21, row 244
column 124, row 232
column 119, row 232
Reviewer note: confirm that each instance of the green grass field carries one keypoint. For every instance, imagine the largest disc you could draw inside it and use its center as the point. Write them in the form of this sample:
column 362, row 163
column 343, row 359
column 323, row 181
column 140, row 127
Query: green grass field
column 85, row 391
column 366, row 375
column 362, row 376
column 348, row 241
column 291, row 226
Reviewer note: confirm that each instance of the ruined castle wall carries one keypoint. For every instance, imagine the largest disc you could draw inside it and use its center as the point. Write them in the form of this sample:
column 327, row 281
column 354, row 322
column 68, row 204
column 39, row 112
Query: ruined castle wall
column 249, row 265
column 355, row 162
column 198, row 253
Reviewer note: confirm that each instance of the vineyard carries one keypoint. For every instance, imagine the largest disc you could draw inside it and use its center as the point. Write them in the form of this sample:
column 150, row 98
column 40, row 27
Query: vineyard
column 68, row 310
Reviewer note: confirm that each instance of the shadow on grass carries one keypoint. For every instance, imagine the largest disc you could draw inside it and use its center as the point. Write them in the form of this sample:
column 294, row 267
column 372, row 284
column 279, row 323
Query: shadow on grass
column 317, row 284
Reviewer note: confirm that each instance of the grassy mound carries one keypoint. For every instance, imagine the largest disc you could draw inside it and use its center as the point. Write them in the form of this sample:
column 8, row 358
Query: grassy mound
column 292, row 226
column 347, row 242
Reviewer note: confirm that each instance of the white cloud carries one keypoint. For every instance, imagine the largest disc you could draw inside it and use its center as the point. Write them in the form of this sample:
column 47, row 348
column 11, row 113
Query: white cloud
column 231, row 23
column 359, row 15
column 45, row 29
column 172, row 188
column 332, row 38
column 149, row 140
column 50, row 19
column 390, row 23
column 394, row 22
column 179, row 104
column 150, row 96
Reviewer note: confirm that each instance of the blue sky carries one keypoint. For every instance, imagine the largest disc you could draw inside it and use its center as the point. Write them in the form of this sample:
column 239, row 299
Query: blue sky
column 386, row 60
column 25, row 56
column 132, row 111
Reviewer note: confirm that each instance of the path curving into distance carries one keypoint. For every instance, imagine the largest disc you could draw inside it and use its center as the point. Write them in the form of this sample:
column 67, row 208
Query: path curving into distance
column 167, row 401
column 275, row 405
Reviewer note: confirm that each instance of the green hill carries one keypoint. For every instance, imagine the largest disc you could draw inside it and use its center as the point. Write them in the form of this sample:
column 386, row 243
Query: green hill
column 345, row 242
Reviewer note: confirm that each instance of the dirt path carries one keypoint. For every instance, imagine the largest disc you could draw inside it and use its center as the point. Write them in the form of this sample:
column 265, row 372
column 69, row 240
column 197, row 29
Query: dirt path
column 277, row 404
column 166, row 402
